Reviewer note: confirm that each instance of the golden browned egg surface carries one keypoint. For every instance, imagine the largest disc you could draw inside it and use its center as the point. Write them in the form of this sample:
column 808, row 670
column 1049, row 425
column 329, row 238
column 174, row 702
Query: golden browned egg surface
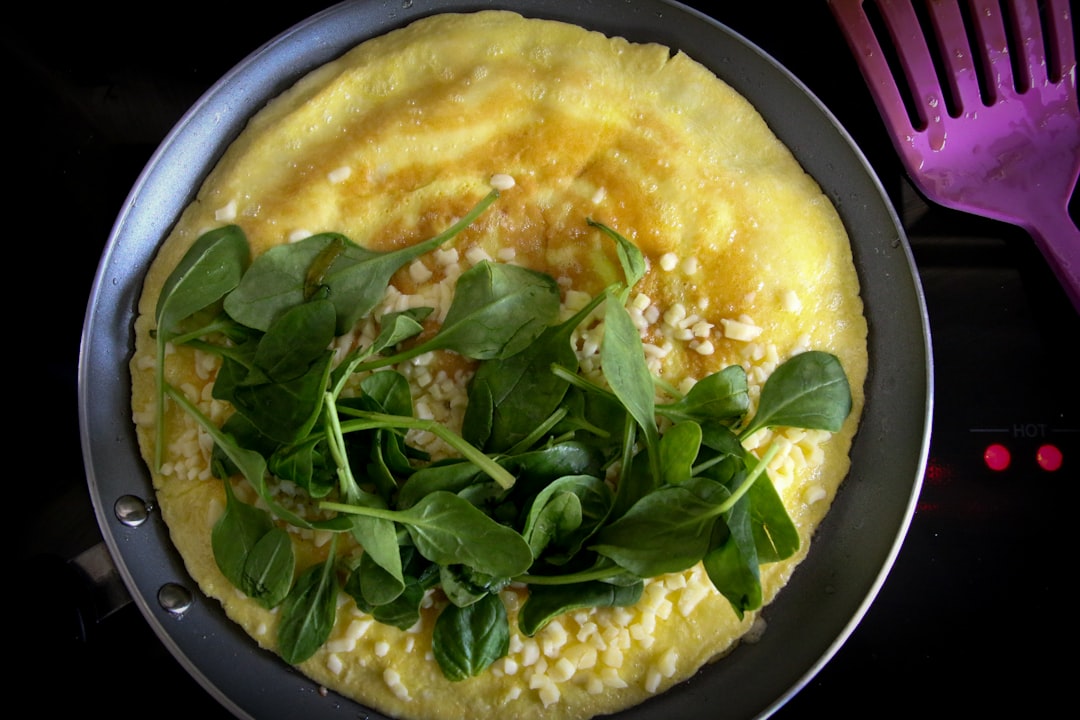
column 748, row 264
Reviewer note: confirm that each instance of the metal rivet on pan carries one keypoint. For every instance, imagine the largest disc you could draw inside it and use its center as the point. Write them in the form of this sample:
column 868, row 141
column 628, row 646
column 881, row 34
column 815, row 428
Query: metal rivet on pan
column 131, row 510
column 174, row 598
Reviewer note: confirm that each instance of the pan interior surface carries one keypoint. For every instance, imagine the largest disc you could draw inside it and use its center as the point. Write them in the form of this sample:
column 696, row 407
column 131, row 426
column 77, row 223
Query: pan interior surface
column 855, row 546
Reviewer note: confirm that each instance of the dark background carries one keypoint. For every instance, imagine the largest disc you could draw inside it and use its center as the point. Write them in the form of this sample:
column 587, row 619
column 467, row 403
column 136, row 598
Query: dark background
column 975, row 615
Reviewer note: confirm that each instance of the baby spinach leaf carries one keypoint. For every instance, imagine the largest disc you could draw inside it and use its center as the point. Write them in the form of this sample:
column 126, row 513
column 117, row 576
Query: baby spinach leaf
column 283, row 392
column 679, row 447
column 296, row 340
column 210, row 269
column 276, row 279
column 449, row 530
column 510, row 396
column 235, row 535
column 491, row 498
column 373, row 583
column 622, row 360
column 268, row 572
column 466, row 640
column 450, row 476
column 379, row 538
column 808, row 390
column 372, row 420
column 248, row 462
column 551, row 518
column 354, row 277
column 775, row 535
column 235, row 368
column 244, row 435
column 591, row 419
column 546, row 602
column 636, row 478
column 668, row 530
column 304, row 463
column 733, row 566
column 309, row 610
column 630, row 257
column 722, row 457
column 722, row 395
column 387, row 392
column 403, row 611
column 536, row 469
column 569, row 457
column 380, row 453
column 394, row 328
column 456, row 587
column 546, row 528
column 497, row 311
column 720, row 437
column 286, row 411
column 464, row 586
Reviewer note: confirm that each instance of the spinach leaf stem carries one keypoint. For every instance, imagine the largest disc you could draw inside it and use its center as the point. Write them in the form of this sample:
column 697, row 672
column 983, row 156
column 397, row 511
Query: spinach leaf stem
column 370, row 420
column 597, row 573
column 668, row 388
column 211, row 328
column 336, row 442
column 751, row 477
column 529, row 440
column 581, row 383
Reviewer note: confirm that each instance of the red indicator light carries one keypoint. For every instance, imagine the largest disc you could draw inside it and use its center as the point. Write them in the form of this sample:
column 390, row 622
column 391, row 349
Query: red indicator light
column 997, row 456
column 1049, row 457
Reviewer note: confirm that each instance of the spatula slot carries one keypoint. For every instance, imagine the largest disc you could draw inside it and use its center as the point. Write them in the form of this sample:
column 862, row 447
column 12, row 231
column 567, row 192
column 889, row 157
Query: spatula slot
column 937, row 42
column 975, row 46
column 1015, row 37
column 1056, row 61
column 883, row 35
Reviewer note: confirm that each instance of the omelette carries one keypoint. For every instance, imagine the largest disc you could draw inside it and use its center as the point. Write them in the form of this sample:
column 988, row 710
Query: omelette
column 500, row 367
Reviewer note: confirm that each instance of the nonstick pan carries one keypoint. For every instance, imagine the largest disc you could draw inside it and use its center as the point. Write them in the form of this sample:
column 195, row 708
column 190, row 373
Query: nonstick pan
column 855, row 546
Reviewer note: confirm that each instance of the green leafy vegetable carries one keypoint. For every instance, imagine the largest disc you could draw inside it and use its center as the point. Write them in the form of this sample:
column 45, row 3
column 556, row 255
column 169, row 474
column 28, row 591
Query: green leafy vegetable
column 253, row 553
column 529, row 495
column 546, row 602
column 733, row 566
column 622, row 358
column 449, row 530
column 720, row 396
column 510, row 397
column 466, row 640
column 307, row 615
column 210, row 269
column 808, row 391
column 497, row 311
column 666, row 531
column 354, row 278
column 679, row 449
column 630, row 257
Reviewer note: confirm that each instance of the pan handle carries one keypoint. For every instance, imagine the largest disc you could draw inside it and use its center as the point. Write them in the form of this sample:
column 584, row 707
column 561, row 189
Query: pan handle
column 79, row 593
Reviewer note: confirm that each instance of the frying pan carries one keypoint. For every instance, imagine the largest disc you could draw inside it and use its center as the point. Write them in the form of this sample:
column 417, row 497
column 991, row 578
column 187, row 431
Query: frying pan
column 855, row 546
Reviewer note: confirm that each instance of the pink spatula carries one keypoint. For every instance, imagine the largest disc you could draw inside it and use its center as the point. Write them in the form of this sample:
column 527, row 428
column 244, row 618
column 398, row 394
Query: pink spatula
column 1000, row 136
